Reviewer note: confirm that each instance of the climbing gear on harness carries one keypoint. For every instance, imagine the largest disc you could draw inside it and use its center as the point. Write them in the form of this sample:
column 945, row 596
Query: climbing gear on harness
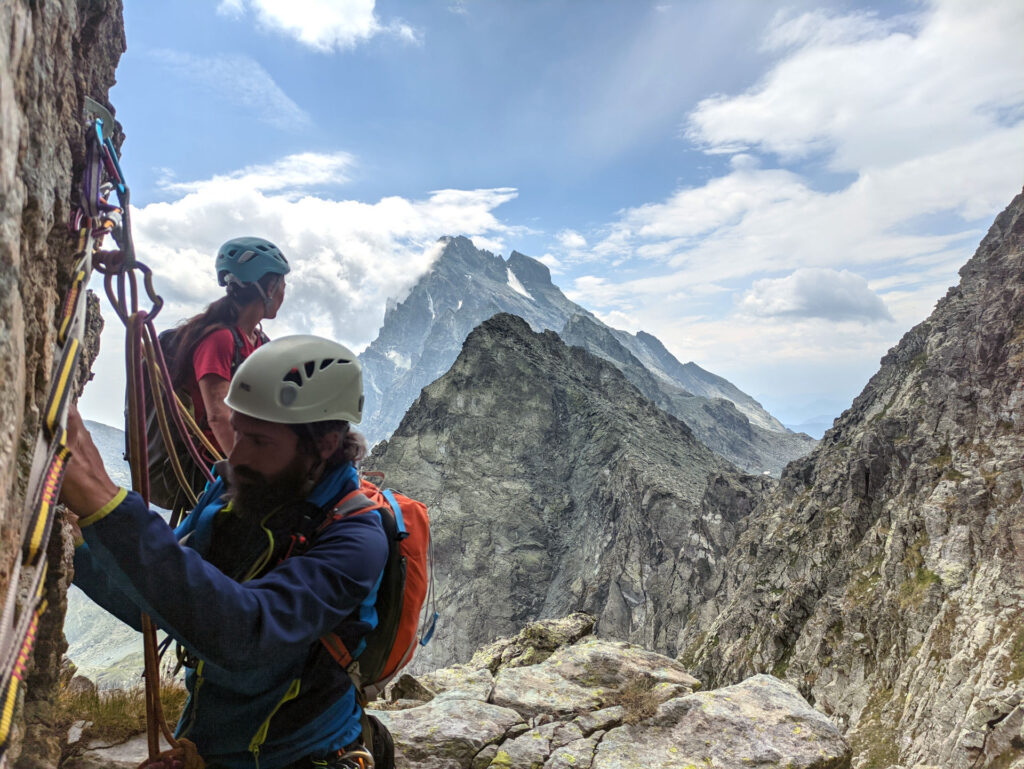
column 248, row 259
column 357, row 758
column 23, row 601
column 144, row 357
column 328, row 386
column 378, row 739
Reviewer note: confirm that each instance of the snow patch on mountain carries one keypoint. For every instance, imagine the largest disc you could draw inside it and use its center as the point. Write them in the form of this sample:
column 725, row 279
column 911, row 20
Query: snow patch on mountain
column 517, row 286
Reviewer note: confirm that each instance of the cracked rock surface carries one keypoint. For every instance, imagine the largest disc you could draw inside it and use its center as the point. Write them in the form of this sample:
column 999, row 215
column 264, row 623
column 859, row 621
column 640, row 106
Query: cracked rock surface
column 599, row 704
column 555, row 486
column 52, row 55
column 883, row 577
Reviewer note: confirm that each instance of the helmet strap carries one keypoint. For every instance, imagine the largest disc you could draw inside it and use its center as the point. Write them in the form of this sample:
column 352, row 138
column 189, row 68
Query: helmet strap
column 267, row 301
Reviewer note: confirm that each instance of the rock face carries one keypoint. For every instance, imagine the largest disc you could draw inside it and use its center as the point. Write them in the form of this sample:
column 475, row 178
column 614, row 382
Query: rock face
column 716, row 421
column 556, row 697
column 422, row 336
column 597, row 704
column 555, row 486
column 883, row 577
column 52, row 55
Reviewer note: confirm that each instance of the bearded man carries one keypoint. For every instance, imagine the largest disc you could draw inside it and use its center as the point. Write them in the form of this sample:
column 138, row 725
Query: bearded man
column 245, row 597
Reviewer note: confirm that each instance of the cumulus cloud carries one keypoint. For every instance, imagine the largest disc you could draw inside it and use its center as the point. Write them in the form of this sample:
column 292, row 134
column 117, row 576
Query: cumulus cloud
column 920, row 116
column 551, row 262
column 870, row 93
column 815, row 293
column 323, row 25
column 571, row 240
column 348, row 256
column 240, row 81
column 962, row 165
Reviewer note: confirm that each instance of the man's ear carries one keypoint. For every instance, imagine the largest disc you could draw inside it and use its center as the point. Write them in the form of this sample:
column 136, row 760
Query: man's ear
column 328, row 443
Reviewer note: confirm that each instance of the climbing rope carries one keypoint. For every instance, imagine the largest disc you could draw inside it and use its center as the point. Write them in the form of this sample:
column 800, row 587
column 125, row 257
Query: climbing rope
column 98, row 216
column 24, row 604
column 143, row 357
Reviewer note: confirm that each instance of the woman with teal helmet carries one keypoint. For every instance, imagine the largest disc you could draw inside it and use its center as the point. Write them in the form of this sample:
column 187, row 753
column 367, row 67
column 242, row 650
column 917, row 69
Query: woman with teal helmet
column 210, row 346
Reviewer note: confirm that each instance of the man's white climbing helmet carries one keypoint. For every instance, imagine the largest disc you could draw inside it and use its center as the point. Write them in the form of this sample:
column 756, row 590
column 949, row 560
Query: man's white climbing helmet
column 299, row 379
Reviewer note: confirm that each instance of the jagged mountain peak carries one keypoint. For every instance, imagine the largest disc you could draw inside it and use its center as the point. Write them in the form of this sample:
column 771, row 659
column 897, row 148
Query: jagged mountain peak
column 555, row 485
column 422, row 336
column 532, row 272
column 460, row 256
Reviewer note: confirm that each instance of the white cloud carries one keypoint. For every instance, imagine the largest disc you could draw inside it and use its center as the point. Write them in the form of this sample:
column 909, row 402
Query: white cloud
column 922, row 115
column 820, row 28
column 571, row 240
column 323, row 25
column 753, row 220
column 551, row 262
column 240, row 81
column 815, row 293
column 290, row 174
column 347, row 256
column 869, row 94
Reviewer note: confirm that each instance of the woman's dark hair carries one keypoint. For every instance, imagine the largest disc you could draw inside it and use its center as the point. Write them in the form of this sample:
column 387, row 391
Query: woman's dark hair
column 222, row 313
column 351, row 449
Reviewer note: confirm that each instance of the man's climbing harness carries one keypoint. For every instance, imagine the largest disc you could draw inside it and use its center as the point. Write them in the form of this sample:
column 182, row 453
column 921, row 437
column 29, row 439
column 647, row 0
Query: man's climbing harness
column 97, row 217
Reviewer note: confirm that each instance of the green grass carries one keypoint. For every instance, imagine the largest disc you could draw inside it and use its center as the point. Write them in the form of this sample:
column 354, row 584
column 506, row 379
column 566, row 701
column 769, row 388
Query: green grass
column 943, row 458
column 914, row 589
column 1017, row 657
column 115, row 715
column 875, row 738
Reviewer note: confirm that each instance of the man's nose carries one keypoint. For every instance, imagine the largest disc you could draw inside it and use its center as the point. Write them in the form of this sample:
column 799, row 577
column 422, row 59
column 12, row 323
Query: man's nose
column 236, row 454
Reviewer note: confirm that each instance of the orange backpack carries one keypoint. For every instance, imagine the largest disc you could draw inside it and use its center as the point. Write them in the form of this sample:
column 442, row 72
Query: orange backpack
column 405, row 591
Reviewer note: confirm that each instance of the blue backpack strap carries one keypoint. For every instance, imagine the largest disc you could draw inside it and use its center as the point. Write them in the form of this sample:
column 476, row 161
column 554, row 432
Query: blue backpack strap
column 397, row 510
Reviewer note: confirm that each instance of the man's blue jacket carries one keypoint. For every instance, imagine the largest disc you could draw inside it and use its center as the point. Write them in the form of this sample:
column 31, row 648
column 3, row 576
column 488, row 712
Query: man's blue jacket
column 264, row 692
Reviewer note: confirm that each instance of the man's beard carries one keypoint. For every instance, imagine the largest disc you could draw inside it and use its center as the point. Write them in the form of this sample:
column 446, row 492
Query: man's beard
column 254, row 495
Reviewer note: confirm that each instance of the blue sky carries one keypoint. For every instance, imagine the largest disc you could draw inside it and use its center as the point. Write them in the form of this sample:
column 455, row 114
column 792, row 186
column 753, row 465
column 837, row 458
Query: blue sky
column 777, row 190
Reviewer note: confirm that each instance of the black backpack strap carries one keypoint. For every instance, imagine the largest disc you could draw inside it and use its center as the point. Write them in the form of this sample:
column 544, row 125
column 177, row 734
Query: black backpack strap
column 237, row 357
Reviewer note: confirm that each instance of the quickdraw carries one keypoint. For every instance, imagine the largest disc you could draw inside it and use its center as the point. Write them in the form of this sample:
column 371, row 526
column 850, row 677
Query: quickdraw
column 96, row 218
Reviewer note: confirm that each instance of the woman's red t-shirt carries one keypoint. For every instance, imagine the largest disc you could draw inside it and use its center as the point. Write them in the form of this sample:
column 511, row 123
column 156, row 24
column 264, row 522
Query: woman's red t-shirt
column 213, row 355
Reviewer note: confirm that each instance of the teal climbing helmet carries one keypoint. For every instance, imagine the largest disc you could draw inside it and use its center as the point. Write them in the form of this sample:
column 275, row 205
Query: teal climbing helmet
column 248, row 260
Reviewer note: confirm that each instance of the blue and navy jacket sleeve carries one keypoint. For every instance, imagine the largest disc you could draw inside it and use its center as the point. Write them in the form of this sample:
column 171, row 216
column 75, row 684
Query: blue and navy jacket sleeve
column 132, row 562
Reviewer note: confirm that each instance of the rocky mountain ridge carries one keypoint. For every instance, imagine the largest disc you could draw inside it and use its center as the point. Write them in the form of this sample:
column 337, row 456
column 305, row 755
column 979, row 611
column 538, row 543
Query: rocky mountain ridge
column 422, row 336
column 556, row 697
column 716, row 421
column 883, row 576
column 554, row 485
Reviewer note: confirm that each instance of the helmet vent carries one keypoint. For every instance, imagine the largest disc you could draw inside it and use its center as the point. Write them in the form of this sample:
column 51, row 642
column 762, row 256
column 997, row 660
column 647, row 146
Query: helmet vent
column 325, row 363
column 293, row 377
column 247, row 257
column 310, row 368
